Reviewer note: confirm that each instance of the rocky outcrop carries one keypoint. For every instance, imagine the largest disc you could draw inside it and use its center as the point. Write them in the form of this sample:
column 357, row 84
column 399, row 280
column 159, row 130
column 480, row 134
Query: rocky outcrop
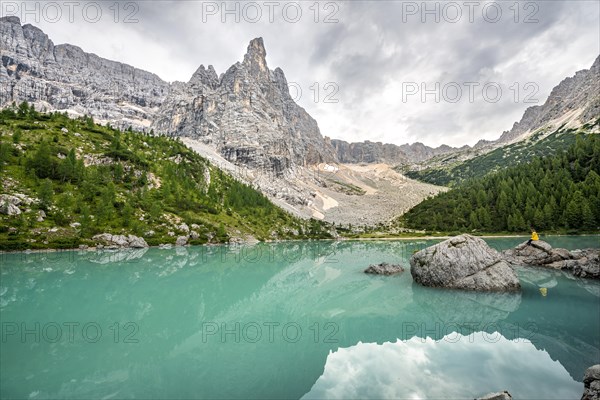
column 384, row 269
column 581, row 263
column 496, row 396
column 463, row 262
column 591, row 382
column 108, row 241
column 10, row 203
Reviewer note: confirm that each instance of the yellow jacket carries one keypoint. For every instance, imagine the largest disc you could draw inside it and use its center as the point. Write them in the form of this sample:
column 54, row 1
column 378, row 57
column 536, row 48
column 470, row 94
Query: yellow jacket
column 534, row 236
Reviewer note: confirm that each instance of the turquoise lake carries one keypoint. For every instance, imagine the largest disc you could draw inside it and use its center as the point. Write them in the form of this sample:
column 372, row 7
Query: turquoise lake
column 286, row 320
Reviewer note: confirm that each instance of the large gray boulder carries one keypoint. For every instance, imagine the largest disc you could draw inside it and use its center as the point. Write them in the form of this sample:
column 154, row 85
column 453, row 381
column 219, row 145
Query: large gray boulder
column 581, row 263
column 591, row 382
column 463, row 262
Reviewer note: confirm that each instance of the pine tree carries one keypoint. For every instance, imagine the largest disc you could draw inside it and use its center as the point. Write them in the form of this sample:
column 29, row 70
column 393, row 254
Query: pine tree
column 539, row 220
column 573, row 211
column 127, row 213
column 45, row 194
column 42, row 162
column 587, row 217
column 86, row 221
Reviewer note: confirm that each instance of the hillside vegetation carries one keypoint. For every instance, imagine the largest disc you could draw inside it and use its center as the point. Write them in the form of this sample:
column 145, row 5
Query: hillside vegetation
column 540, row 144
column 559, row 193
column 79, row 179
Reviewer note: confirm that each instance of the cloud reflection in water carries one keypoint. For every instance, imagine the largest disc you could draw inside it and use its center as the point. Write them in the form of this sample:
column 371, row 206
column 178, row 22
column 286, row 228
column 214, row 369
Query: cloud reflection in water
column 454, row 367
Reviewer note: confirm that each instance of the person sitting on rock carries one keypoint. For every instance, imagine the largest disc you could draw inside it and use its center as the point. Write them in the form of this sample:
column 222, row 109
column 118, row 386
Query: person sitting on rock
column 534, row 237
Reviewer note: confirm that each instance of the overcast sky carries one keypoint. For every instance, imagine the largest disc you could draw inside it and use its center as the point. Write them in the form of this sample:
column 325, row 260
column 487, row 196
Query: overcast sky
column 365, row 70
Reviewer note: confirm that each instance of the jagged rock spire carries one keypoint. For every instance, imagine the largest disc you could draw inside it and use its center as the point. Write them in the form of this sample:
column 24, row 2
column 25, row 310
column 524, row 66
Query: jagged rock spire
column 255, row 58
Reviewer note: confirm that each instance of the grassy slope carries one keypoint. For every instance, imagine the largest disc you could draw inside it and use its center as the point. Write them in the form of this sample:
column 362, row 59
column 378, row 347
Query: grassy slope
column 535, row 146
column 131, row 183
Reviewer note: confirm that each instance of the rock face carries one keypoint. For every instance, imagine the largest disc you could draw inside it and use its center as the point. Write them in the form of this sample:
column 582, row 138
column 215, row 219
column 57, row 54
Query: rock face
column 247, row 115
column 64, row 77
column 591, row 382
column 582, row 263
column 384, row 269
column 120, row 241
column 463, row 262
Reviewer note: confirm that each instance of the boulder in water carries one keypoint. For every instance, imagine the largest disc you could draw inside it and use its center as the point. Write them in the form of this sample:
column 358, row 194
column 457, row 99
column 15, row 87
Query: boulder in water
column 384, row 269
column 463, row 262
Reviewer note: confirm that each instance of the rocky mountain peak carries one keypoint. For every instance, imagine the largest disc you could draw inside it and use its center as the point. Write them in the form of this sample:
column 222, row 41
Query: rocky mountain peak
column 205, row 76
column 255, row 59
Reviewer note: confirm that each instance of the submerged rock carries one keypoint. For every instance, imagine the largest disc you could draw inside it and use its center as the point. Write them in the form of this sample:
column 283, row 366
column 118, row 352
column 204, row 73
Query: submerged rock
column 591, row 382
column 463, row 262
column 582, row 263
column 384, row 269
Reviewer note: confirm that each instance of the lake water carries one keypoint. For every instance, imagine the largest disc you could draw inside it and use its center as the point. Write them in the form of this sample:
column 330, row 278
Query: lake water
column 287, row 320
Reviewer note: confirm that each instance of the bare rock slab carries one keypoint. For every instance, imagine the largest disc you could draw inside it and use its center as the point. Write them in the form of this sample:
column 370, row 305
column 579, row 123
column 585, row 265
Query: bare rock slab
column 463, row 262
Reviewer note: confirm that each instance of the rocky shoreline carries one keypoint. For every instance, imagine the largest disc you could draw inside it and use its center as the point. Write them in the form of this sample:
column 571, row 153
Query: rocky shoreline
column 583, row 263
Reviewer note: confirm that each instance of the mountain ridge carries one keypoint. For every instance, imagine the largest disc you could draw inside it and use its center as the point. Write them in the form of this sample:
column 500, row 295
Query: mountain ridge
column 133, row 97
